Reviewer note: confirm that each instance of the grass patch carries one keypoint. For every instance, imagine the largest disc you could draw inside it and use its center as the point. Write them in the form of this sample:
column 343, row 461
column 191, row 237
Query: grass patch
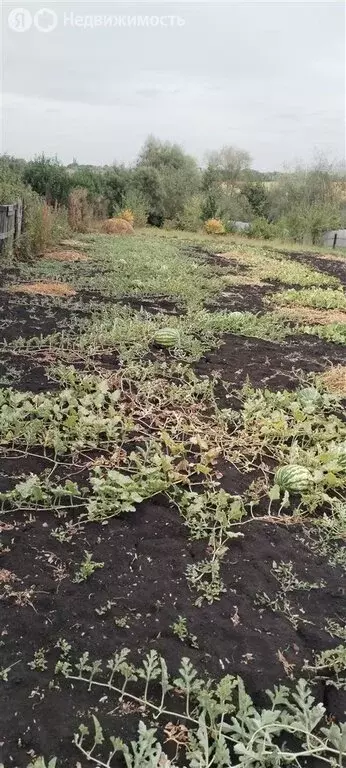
column 320, row 298
column 268, row 266
column 335, row 332
column 69, row 256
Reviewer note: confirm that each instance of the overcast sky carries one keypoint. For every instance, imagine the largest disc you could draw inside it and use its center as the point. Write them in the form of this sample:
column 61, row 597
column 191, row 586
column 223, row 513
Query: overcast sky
column 268, row 77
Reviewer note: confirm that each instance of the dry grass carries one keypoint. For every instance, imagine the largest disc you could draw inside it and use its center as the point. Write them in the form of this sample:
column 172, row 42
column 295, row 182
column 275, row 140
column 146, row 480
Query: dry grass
column 230, row 255
column 335, row 379
column 75, row 244
column 66, row 256
column 310, row 315
column 43, row 289
column 80, row 212
column 6, row 576
column 117, row 226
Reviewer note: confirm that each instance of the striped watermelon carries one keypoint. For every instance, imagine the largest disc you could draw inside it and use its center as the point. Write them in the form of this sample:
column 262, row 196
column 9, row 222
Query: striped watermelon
column 294, row 478
column 341, row 456
column 167, row 337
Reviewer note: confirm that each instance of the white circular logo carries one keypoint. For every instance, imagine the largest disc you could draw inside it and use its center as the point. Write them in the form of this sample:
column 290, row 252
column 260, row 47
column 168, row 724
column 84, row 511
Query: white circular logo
column 45, row 20
column 20, row 19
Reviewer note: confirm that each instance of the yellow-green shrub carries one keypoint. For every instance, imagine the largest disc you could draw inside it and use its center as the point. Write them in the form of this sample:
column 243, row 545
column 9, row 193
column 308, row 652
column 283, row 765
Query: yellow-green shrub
column 127, row 215
column 214, row 227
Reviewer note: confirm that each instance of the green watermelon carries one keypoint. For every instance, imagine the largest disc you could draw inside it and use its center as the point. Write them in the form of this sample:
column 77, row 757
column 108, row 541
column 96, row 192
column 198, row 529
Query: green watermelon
column 294, row 478
column 341, row 456
column 167, row 337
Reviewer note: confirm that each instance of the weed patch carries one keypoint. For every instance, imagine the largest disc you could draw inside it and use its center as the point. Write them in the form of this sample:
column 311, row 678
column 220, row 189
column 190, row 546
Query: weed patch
column 320, row 298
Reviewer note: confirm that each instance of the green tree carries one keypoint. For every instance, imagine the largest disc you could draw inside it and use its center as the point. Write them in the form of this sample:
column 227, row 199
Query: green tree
column 92, row 180
column 167, row 176
column 307, row 224
column 147, row 182
column 115, row 184
column 48, row 178
column 191, row 216
column 307, row 201
column 258, row 199
column 229, row 163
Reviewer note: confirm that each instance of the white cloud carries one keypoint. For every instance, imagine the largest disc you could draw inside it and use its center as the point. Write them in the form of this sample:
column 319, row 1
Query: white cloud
column 267, row 77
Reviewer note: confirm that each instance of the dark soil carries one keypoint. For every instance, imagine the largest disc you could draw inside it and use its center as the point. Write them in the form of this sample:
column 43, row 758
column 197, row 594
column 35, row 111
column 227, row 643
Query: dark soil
column 272, row 364
column 215, row 259
column 243, row 298
column 145, row 555
column 24, row 373
column 133, row 549
column 154, row 305
column 28, row 316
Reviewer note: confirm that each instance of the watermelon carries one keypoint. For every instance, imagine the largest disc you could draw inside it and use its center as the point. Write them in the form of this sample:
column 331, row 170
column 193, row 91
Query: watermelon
column 341, row 456
column 167, row 337
column 294, row 478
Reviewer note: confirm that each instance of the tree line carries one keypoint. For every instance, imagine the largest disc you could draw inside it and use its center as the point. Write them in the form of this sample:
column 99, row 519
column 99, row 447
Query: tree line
column 166, row 186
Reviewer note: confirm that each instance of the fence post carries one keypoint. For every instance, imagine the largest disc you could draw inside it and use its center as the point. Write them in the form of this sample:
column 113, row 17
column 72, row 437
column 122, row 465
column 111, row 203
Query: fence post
column 335, row 239
column 18, row 222
column 11, row 224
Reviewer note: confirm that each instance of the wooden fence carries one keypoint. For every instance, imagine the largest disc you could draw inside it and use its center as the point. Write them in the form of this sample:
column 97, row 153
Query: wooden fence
column 11, row 224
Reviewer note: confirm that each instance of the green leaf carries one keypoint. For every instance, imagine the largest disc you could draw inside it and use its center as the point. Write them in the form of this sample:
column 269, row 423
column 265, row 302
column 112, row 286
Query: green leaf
column 274, row 493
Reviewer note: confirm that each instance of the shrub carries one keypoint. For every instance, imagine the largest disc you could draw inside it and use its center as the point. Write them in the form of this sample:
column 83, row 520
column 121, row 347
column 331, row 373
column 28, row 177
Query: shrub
column 48, row 178
column 40, row 228
column 191, row 216
column 214, row 227
column 262, row 229
column 42, row 225
column 135, row 202
column 60, row 224
column 127, row 215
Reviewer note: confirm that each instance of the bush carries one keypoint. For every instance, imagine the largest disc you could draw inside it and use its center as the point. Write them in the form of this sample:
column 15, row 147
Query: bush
column 191, row 216
column 262, row 229
column 135, row 202
column 127, row 215
column 214, row 227
column 60, row 225
column 48, row 178
column 40, row 227
column 39, row 219
column 257, row 196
